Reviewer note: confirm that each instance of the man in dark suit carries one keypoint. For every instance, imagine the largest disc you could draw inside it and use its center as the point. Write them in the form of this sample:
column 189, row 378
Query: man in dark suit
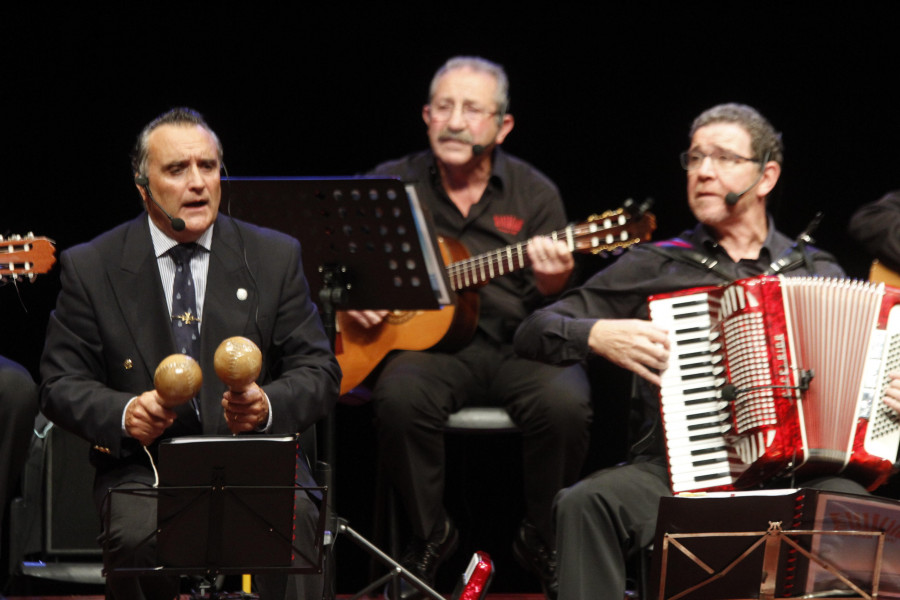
column 114, row 320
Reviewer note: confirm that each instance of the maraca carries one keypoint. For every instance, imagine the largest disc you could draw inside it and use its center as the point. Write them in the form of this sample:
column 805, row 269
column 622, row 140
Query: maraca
column 237, row 362
column 177, row 379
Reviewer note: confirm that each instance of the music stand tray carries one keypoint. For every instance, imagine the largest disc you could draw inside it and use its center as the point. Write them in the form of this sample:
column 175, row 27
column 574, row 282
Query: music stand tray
column 225, row 505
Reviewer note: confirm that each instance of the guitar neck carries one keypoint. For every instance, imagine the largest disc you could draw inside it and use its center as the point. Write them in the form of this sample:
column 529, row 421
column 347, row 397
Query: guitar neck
column 611, row 231
column 480, row 269
column 25, row 257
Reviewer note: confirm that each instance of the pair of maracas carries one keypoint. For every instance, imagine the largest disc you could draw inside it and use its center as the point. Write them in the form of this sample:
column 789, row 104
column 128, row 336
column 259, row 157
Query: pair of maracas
column 178, row 378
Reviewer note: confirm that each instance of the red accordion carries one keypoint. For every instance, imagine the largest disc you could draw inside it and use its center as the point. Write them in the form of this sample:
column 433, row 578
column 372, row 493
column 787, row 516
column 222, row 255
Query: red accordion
column 771, row 376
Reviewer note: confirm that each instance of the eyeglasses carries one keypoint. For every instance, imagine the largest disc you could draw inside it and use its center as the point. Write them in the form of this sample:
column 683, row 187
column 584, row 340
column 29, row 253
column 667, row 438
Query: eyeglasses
column 470, row 112
column 722, row 160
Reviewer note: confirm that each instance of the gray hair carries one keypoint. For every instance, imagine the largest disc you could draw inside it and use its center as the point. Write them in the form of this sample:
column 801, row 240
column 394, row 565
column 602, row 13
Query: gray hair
column 176, row 116
column 764, row 140
column 479, row 65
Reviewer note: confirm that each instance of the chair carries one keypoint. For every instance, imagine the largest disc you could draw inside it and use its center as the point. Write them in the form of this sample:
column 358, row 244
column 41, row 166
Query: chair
column 386, row 524
column 476, row 420
column 480, row 419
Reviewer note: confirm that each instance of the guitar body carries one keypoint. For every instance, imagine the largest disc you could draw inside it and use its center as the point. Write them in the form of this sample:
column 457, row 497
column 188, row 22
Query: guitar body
column 445, row 329
column 879, row 273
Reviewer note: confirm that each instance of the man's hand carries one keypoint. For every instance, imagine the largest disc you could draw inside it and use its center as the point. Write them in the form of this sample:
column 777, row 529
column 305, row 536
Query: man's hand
column 636, row 345
column 246, row 411
column 892, row 393
column 146, row 419
column 551, row 262
column 367, row 318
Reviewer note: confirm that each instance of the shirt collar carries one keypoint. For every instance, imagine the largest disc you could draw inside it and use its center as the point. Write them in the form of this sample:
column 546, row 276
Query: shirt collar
column 702, row 236
column 162, row 243
column 499, row 170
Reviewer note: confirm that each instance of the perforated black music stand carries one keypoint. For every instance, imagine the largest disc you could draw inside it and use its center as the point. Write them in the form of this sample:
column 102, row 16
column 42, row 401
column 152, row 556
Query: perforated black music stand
column 370, row 235
column 367, row 244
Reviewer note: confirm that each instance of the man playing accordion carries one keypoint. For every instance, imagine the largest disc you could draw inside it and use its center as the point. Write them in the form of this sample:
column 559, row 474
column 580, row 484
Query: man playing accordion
column 733, row 163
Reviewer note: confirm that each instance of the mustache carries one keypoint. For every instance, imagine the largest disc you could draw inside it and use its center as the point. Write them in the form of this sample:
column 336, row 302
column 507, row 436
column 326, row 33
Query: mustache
column 458, row 136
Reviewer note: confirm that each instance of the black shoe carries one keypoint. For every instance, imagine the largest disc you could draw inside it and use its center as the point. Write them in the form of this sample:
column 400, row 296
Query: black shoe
column 533, row 555
column 423, row 557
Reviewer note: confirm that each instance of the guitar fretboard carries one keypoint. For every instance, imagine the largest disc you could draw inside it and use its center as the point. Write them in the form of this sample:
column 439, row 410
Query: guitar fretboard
column 607, row 233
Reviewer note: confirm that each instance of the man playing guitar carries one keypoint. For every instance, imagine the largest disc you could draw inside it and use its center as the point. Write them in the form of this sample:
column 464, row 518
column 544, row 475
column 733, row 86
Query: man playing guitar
column 485, row 198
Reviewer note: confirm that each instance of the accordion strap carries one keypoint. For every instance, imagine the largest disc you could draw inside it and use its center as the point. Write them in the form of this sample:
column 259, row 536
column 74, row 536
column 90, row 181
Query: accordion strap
column 796, row 256
column 693, row 258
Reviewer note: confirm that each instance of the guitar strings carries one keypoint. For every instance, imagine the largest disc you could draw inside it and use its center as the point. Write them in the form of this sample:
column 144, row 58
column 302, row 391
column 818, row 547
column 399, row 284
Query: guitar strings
column 481, row 268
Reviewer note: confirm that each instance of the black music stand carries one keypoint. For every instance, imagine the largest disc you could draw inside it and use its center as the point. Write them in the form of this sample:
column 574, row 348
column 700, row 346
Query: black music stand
column 367, row 244
column 219, row 513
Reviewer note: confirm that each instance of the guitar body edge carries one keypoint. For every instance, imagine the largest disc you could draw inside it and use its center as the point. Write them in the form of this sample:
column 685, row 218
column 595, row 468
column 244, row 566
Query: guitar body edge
column 445, row 329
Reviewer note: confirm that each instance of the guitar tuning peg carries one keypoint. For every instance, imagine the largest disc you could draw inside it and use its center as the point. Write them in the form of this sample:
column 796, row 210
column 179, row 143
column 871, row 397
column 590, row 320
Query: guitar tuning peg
column 16, row 237
column 29, row 235
column 637, row 210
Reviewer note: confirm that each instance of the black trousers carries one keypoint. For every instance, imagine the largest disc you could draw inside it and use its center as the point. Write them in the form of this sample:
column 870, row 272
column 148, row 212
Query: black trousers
column 416, row 391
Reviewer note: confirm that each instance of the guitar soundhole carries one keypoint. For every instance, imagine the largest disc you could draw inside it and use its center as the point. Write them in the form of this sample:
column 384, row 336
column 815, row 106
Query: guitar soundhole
column 399, row 317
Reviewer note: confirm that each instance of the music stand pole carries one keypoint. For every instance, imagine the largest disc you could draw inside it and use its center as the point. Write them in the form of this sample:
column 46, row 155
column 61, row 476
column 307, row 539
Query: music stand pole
column 367, row 244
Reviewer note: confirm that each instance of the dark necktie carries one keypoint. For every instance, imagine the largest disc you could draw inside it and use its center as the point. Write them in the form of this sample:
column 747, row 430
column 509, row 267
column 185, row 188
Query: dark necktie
column 185, row 324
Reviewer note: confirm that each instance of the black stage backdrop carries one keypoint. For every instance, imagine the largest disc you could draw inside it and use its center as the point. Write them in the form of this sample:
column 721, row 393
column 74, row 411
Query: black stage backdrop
column 603, row 97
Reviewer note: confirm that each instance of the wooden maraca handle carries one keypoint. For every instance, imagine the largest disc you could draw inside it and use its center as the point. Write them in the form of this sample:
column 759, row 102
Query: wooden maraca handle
column 237, row 362
column 177, row 379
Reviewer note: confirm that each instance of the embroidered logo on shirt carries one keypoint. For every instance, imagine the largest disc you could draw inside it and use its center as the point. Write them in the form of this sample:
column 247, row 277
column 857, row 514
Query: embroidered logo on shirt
column 508, row 223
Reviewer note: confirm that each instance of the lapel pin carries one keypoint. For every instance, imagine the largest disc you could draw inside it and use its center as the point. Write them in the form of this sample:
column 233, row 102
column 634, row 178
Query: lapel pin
column 241, row 294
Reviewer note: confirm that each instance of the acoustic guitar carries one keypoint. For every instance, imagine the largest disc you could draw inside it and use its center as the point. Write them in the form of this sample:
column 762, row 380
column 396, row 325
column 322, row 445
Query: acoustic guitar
column 25, row 257
column 359, row 350
column 879, row 273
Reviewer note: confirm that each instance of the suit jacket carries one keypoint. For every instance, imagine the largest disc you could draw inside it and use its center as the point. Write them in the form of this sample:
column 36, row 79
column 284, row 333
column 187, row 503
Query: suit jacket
column 111, row 329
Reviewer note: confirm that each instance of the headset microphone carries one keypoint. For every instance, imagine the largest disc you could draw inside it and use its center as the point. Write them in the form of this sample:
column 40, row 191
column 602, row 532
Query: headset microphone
column 478, row 149
column 144, row 182
column 731, row 198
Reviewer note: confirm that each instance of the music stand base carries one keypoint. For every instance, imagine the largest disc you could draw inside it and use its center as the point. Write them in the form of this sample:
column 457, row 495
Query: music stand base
column 397, row 571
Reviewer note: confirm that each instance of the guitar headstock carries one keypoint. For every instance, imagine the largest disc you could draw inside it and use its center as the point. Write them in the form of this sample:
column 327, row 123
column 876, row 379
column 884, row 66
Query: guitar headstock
column 614, row 230
column 25, row 257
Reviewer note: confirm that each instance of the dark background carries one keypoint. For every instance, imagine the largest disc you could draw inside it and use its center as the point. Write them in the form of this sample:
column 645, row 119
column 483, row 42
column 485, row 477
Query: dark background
column 603, row 97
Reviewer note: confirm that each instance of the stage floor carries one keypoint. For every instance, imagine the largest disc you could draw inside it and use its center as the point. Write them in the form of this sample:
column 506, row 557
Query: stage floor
column 339, row 597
